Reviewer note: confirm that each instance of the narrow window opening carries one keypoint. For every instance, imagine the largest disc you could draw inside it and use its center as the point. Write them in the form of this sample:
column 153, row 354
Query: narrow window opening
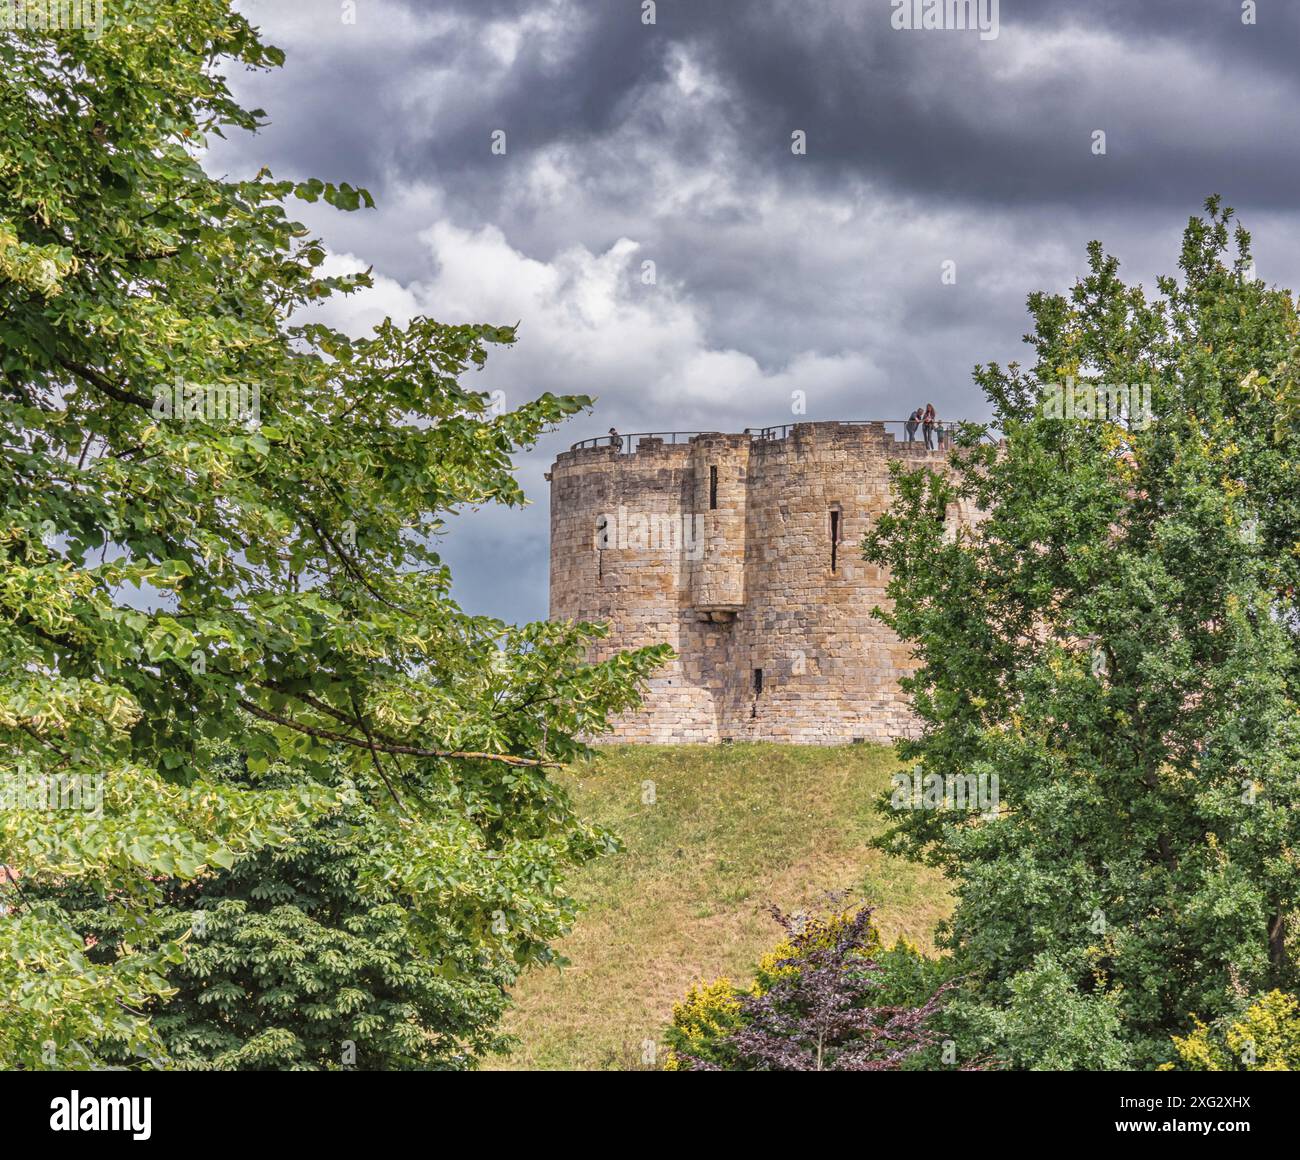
column 758, row 682
column 835, row 539
column 713, row 487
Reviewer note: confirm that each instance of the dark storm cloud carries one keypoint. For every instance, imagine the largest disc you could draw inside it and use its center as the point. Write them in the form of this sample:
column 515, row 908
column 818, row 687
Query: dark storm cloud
column 935, row 115
column 932, row 114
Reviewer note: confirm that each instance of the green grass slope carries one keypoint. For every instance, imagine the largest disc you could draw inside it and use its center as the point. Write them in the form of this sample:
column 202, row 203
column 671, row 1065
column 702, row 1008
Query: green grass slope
column 732, row 829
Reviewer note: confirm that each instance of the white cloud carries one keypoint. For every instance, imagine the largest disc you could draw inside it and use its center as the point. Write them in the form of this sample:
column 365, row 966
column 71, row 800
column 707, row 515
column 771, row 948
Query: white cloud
column 588, row 324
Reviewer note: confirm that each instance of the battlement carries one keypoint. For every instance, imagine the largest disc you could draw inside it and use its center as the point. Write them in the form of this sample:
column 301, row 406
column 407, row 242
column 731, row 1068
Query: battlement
column 882, row 432
column 742, row 552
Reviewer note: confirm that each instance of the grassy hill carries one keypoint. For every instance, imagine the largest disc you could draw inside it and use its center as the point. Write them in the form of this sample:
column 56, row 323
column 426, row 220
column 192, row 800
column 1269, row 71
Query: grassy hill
column 732, row 829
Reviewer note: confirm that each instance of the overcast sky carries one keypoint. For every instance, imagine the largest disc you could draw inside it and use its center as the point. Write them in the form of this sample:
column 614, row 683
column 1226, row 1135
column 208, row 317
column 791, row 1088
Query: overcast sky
column 670, row 142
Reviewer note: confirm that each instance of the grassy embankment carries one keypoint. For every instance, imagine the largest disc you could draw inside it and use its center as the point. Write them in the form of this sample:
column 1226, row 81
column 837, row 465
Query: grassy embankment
column 732, row 829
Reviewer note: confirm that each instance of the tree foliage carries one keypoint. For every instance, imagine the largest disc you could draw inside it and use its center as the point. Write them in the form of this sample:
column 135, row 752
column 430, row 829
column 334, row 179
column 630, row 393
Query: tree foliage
column 178, row 584
column 1119, row 644
column 303, row 956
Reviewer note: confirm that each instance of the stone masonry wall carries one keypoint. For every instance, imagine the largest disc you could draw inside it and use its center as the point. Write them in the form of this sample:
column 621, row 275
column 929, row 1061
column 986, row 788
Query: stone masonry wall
column 747, row 585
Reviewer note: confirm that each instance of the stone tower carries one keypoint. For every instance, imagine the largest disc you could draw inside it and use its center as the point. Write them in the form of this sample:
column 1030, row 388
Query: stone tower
column 742, row 552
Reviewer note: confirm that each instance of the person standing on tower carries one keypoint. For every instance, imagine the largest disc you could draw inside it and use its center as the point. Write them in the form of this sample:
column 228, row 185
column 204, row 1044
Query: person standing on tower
column 913, row 422
column 927, row 425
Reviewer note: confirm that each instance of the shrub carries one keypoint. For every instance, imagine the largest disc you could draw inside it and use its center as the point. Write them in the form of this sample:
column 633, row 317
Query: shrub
column 816, row 1005
column 1264, row 1037
column 702, row 1025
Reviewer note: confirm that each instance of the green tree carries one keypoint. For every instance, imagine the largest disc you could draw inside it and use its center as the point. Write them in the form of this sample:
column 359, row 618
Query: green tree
column 180, row 580
column 303, row 956
column 1118, row 643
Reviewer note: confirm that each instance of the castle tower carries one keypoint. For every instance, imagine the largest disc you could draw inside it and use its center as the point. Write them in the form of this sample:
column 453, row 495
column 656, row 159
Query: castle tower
column 742, row 552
